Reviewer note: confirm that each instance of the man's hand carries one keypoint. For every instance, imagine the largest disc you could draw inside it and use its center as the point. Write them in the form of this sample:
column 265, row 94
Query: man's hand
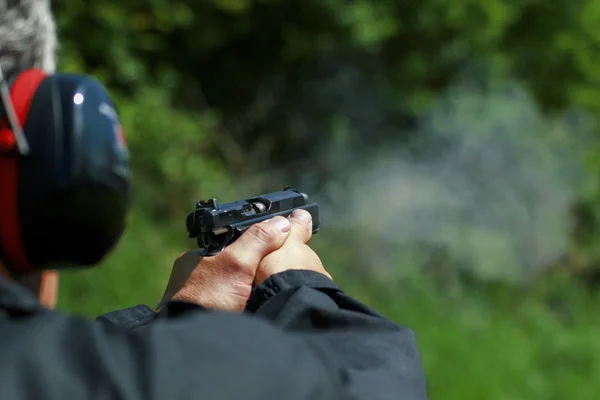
column 295, row 253
column 224, row 282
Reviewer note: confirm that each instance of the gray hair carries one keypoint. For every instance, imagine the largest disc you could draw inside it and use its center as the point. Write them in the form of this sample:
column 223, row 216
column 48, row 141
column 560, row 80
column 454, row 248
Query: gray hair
column 27, row 36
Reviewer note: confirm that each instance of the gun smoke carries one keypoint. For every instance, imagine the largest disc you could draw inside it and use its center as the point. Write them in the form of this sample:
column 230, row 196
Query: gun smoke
column 489, row 179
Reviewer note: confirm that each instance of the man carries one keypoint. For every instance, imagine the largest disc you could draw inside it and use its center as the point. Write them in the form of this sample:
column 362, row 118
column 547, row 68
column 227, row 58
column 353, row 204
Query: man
column 260, row 320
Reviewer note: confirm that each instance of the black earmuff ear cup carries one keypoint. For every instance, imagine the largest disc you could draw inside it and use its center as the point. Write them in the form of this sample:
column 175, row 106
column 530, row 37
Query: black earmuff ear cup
column 74, row 187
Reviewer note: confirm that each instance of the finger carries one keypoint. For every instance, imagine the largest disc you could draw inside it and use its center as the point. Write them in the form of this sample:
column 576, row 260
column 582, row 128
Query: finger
column 301, row 221
column 258, row 241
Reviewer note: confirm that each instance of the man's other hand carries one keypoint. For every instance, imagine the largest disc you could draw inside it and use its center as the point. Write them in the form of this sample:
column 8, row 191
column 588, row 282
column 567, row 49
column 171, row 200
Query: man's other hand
column 224, row 281
column 295, row 253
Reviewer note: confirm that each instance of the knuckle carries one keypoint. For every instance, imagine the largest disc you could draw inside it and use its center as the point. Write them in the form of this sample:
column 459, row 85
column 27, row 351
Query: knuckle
column 232, row 260
column 262, row 232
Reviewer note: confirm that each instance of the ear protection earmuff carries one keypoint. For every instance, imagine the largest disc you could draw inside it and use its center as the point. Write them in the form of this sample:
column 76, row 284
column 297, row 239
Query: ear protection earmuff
column 65, row 185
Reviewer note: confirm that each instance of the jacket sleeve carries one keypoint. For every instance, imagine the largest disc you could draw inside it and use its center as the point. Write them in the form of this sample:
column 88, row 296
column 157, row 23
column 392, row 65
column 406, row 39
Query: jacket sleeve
column 377, row 358
column 196, row 355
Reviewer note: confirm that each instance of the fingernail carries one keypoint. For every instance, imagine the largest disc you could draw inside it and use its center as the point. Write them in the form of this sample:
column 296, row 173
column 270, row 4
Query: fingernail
column 302, row 214
column 281, row 223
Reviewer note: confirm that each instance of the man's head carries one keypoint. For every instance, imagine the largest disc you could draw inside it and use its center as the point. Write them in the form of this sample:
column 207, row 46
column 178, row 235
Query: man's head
column 64, row 201
column 27, row 36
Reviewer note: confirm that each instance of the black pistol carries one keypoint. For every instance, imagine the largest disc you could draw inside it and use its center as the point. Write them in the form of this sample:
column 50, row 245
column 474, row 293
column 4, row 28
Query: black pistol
column 217, row 225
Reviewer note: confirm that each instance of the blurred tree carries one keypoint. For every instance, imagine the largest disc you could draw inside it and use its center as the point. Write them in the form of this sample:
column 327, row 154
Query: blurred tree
column 272, row 66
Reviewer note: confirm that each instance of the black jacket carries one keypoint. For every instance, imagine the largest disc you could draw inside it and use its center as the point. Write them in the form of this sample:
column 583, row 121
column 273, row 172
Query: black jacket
column 301, row 338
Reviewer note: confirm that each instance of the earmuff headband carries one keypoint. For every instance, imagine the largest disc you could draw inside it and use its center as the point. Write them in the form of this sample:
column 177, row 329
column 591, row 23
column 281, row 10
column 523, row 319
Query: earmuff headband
column 11, row 115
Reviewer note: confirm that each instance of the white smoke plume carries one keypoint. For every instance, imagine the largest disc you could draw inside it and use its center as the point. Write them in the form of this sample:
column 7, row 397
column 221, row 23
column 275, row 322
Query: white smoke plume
column 490, row 178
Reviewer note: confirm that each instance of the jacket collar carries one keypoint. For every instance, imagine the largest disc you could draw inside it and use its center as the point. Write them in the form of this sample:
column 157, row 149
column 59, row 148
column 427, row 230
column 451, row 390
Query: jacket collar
column 16, row 297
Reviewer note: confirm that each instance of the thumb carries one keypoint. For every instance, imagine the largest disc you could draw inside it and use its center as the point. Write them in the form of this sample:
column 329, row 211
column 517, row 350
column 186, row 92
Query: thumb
column 257, row 242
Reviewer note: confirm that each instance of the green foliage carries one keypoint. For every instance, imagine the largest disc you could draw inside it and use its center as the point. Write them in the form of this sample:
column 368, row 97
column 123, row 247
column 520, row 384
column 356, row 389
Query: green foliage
column 363, row 103
column 500, row 343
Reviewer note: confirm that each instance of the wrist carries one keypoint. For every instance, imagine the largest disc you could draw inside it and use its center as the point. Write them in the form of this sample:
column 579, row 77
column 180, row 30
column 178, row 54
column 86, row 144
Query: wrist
column 224, row 299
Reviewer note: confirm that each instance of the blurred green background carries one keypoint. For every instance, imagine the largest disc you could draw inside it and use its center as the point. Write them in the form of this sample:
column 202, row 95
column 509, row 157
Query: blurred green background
column 452, row 145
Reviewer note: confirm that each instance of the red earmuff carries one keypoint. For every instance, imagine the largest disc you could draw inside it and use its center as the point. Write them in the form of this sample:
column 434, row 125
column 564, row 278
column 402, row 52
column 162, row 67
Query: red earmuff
column 13, row 251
